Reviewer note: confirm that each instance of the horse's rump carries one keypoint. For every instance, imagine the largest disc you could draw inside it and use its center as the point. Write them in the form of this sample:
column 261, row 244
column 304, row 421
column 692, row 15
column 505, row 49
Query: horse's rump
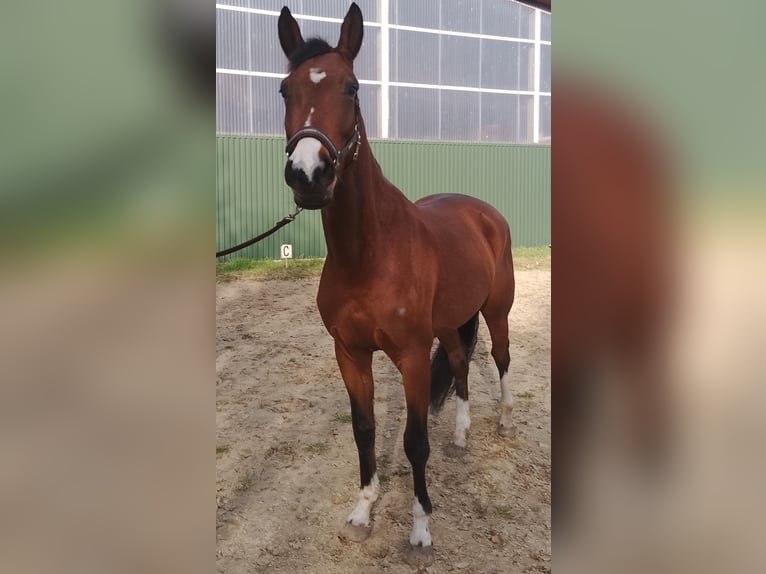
column 471, row 241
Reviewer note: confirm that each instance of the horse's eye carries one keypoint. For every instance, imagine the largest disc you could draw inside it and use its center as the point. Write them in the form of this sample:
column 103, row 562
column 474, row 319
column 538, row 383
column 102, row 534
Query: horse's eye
column 351, row 88
column 283, row 90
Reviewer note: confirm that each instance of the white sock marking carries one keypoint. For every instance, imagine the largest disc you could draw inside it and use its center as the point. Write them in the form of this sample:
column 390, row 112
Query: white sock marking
column 462, row 422
column 305, row 156
column 317, row 75
column 360, row 516
column 308, row 119
column 420, row 536
column 506, row 401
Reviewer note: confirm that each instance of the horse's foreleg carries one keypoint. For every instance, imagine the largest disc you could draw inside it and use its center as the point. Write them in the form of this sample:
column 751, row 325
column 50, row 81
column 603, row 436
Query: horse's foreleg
column 356, row 370
column 416, row 377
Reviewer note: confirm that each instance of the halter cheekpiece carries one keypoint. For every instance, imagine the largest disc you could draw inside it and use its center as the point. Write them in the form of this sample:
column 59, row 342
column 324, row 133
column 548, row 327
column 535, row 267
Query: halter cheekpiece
column 335, row 155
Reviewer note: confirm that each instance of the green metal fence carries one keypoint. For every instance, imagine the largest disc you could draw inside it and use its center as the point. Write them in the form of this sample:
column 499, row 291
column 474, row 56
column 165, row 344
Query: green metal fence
column 251, row 194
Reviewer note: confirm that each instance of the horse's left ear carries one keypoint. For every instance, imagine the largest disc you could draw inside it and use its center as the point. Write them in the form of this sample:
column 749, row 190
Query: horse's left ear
column 351, row 32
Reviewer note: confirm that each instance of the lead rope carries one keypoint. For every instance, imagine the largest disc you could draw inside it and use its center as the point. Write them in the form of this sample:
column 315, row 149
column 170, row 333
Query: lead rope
column 280, row 224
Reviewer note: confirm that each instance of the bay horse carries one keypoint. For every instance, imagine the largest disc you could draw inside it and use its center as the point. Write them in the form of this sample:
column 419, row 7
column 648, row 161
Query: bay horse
column 397, row 274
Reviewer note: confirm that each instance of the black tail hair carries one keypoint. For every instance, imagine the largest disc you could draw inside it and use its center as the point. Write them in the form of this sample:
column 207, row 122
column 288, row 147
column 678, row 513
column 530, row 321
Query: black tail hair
column 442, row 378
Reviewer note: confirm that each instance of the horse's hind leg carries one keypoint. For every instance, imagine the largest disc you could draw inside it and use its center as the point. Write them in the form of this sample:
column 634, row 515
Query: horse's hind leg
column 356, row 370
column 459, row 347
column 497, row 322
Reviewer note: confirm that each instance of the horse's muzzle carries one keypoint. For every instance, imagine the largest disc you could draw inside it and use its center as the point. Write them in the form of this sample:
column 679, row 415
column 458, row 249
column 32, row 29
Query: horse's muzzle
column 315, row 193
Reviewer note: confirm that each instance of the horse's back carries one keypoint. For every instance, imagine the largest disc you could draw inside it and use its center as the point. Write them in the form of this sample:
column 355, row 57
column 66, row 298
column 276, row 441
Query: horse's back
column 464, row 222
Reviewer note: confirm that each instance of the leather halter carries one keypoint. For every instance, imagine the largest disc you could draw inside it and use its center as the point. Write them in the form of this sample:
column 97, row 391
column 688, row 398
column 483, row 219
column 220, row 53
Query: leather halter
column 336, row 155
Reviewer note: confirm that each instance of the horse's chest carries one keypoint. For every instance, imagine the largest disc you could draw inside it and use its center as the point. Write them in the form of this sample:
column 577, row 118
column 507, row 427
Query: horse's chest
column 366, row 320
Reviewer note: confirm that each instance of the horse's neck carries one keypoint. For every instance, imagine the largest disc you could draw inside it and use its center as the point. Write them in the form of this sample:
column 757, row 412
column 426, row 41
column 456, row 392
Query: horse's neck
column 364, row 201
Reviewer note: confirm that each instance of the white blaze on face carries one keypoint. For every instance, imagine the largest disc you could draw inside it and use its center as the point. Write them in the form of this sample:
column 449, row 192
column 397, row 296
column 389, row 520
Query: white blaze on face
column 420, row 535
column 307, row 123
column 462, row 422
column 360, row 516
column 316, row 75
column 305, row 156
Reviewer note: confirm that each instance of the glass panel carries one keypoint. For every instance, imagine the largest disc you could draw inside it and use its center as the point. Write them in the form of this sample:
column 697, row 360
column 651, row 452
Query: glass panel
column 366, row 64
column 268, row 109
column 545, row 26
column 460, row 16
column 545, row 68
column 507, row 65
column 265, row 52
column 369, row 102
column 545, row 119
column 506, row 118
column 460, row 116
column 232, row 109
column 414, row 113
column 334, row 9
column 507, row 18
column 414, row 57
column 231, row 40
column 459, row 61
column 423, row 13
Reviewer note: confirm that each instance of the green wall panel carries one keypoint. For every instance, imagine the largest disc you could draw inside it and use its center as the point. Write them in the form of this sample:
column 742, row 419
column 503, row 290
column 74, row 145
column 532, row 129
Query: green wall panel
column 251, row 194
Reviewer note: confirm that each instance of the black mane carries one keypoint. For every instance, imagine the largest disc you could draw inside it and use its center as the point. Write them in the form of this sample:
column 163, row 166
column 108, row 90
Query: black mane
column 310, row 49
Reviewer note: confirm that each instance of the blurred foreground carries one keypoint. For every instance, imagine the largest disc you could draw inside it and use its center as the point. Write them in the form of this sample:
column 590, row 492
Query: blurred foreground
column 107, row 288
column 658, row 273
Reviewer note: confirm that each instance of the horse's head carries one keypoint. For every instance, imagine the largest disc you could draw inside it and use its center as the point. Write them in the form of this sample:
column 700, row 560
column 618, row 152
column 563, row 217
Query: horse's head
column 321, row 108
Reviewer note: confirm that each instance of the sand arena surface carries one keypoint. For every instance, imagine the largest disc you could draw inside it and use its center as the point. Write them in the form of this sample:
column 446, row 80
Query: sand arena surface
column 287, row 467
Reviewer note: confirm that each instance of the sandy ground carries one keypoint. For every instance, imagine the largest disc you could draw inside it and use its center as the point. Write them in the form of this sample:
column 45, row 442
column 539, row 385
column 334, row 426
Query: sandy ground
column 287, row 468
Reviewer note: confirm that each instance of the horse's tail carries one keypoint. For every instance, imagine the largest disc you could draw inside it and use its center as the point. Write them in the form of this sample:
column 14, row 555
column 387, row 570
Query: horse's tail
column 442, row 378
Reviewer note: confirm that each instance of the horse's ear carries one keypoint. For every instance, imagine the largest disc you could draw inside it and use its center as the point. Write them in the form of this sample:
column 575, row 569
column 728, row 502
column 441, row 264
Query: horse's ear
column 351, row 32
column 289, row 32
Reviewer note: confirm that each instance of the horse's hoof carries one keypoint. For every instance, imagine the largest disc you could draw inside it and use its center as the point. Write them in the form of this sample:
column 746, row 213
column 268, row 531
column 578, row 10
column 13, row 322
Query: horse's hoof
column 506, row 431
column 419, row 556
column 454, row 451
column 355, row 533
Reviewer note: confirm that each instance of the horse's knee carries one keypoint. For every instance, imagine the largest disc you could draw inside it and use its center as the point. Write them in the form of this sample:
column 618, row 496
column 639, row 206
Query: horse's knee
column 364, row 436
column 363, row 424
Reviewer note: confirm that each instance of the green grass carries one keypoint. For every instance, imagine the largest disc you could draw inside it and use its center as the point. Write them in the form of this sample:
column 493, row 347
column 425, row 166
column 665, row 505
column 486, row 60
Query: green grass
column 526, row 395
column 267, row 270
column 245, row 482
column 343, row 418
column 524, row 258
column 528, row 258
column 317, row 448
column 504, row 512
column 221, row 449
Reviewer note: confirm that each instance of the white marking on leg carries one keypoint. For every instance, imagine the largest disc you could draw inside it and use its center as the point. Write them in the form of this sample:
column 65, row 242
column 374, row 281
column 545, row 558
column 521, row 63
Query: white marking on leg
column 506, row 401
column 307, row 123
column 305, row 156
column 317, row 75
column 462, row 422
column 360, row 516
column 420, row 536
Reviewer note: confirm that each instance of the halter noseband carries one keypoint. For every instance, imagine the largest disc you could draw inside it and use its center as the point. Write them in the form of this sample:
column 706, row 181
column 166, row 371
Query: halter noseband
column 335, row 155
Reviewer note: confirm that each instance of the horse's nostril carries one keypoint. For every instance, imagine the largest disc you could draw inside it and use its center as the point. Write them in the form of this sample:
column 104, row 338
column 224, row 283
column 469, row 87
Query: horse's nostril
column 326, row 174
column 294, row 176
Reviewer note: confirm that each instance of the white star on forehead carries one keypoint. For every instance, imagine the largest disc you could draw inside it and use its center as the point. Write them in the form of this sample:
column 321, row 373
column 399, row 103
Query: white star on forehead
column 316, row 75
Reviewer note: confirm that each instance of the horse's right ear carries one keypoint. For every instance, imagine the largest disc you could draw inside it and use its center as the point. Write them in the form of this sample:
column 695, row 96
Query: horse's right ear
column 289, row 33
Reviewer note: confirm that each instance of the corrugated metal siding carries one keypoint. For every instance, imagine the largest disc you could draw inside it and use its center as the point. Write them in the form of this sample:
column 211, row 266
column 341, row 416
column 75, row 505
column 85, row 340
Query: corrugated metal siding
column 252, row 195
